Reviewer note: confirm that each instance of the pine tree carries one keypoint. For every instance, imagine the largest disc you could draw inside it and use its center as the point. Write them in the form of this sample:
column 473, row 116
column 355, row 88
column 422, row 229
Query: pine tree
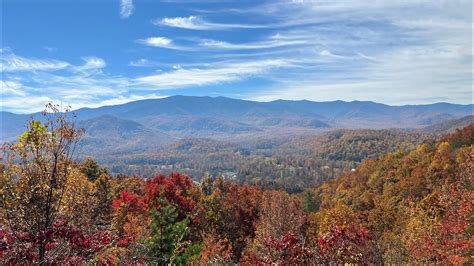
column 168, row 243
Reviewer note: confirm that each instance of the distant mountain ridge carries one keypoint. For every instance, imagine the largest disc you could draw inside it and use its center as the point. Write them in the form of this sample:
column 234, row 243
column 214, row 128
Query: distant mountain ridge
column 167, row 119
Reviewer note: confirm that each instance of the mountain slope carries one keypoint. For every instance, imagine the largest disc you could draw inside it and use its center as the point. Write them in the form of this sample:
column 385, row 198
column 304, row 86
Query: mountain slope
column 107, row 133
column 419, row 201
column 449, row 125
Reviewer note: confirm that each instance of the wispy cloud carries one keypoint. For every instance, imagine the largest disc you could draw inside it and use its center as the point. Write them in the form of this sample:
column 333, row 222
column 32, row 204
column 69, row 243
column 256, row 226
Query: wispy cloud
column 10, row 62
column 156, row 41
column 91, row 63
column 126, row 8
column 396, row 52
column 9, row 87
column 215, row 44
column 197, row 23
column 88, row 85
column 21, row 104
column 50, row 49
column 197, row 44
column 328, row 53
column 409, row 75
column 215, row 74
column 28, row 84
column 121, row 99
column 162, row 42
column 143, row 62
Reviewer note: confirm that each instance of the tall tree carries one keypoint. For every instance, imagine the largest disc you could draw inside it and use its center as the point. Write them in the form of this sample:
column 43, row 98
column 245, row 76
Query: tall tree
column 35, row 175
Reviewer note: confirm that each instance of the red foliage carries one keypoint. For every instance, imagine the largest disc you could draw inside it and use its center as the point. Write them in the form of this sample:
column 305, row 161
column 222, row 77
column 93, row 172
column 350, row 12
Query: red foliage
column 23, row 247
column 345, row 245
column 174, row 188
column 237, row 212
column 452, row 244
column 131, row 201
column 287, row 249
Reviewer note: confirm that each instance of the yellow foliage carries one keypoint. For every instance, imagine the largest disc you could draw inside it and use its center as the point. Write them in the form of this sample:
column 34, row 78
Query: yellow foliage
column 340, row 215
column 79, row 199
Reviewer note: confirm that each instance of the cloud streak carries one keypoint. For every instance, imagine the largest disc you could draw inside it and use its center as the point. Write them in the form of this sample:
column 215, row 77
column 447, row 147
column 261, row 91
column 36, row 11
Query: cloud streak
column 126, row 8
column 91, row 63
column 216, row 74
column 197, row 23
column 215, row 44
column 10, row 62
column 163, row 42
column 197, row 44
column 143, row 62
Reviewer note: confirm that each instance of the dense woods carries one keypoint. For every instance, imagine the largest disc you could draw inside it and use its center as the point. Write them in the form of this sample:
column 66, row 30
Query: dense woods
column 292, row 164
column 410, row 205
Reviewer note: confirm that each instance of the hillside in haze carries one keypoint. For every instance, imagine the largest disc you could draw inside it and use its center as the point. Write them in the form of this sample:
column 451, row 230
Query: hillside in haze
column 449, row 126
column 225, row 118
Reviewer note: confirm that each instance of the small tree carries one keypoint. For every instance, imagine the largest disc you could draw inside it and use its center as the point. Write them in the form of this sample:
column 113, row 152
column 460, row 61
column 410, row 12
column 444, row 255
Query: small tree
column 167, row 242
column 92, row 169
column 34, row 177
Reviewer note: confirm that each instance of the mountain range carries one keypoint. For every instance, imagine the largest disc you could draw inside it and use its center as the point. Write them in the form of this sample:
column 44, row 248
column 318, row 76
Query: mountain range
column 154, row 123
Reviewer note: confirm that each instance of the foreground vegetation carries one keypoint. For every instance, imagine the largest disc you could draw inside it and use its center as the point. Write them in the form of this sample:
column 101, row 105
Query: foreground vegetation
column 406, row 206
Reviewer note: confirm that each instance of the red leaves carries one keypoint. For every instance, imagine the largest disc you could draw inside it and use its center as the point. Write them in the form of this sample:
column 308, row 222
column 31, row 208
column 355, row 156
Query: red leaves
column 81, row 245
column 342, row 245
column 450, row 243
column 129, row 200
column 287, row 249
column 175, row 189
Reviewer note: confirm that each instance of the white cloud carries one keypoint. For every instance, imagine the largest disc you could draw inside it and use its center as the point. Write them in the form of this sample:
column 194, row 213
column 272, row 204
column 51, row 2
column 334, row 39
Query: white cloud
column 10, row 62
column 41, row 84
column 388, row 92
column 407, row 75
column 215, row 44
column 162, row 42
column 371, row 58
column 21, row 104
column 91, row 63
column 328, row 53
column 397, row 52
column 143, row 62
column 190, row 22
column 126, row 8
column 210, row 44
column 9, row 87
column 197, row 23
column 216, row 74
column 118, row 100
column 156, row 41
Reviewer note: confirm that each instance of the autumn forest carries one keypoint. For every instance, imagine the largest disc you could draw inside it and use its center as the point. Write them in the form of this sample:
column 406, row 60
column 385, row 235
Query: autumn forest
column 411, row 205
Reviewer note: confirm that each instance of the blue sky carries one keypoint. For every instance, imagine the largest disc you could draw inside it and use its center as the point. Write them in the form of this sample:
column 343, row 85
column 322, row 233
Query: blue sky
column 102, row 52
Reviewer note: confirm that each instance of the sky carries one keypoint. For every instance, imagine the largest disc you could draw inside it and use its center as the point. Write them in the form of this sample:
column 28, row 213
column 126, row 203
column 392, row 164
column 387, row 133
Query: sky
column 90, row 53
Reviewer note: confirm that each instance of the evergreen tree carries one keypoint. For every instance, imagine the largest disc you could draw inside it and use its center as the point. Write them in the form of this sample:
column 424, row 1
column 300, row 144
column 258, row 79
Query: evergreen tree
column 92, row 169
column 311, row 201
column 168, row 243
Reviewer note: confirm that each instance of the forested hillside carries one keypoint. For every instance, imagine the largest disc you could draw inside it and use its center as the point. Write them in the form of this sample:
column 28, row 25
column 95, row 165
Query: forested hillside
column 407, row 206
column 417, row 205
column 292, row 163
